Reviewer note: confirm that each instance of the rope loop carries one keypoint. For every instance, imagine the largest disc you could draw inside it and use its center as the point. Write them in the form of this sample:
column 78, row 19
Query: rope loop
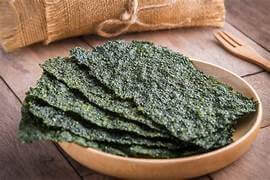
column 128, row 18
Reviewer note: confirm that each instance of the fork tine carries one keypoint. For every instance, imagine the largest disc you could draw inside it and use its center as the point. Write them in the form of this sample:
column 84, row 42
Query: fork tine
column 233, row 38
column 228, row 39
column 224, row 42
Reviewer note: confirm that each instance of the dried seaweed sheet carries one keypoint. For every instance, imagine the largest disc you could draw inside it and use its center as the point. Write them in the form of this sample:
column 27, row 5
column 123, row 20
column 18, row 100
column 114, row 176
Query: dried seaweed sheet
column 57, row 94
column 146, row 152
column 31, row 129
column 77, row 78
column 56, row 118
column 166, row 86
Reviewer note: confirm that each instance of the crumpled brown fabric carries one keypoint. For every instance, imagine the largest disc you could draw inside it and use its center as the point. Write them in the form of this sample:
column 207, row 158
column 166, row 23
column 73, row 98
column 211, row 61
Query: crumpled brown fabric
column 25, row 22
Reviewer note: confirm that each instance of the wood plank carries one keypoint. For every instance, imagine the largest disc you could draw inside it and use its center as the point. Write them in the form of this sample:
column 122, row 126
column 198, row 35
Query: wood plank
column 98, row 177
column 21, row 70
column 82, row 170
column 197, row 43
column 253, row 165
column 252, row 18
column 26, row 161
column 202, row 178
column 103, row 177
column 261, row 83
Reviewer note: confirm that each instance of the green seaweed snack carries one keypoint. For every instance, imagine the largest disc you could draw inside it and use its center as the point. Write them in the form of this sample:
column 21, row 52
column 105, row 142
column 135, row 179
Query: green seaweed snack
column 165, row 86
column 77, row 78
column 53, row 117
column 57, row 94
column 132, row 99
column 31, row 129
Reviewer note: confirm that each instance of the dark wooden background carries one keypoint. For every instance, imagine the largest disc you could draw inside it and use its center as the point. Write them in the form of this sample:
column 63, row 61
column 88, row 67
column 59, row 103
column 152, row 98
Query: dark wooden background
column 247, row 19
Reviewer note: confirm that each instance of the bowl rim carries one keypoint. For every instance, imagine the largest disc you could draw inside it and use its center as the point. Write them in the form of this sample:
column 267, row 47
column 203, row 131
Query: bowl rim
column 198, row 156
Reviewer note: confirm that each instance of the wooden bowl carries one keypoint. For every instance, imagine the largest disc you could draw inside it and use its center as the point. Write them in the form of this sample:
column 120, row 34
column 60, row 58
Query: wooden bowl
column 186, row 167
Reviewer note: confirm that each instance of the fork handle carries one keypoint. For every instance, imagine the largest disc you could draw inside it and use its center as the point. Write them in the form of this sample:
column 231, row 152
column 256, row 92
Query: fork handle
column 260, row 61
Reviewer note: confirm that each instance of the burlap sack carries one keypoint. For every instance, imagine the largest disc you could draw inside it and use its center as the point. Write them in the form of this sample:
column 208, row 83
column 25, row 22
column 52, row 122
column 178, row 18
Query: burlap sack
column 24, row 22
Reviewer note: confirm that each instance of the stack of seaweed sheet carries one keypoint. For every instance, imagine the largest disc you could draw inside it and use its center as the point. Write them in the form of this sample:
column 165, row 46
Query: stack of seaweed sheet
column 132, row 99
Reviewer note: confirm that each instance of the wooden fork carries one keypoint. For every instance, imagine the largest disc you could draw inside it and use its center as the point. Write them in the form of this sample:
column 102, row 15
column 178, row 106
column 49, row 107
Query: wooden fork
column 235, row 46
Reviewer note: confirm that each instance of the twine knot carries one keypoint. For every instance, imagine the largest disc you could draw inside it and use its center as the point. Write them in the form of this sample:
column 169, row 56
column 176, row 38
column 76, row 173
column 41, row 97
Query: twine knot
column 130, row 17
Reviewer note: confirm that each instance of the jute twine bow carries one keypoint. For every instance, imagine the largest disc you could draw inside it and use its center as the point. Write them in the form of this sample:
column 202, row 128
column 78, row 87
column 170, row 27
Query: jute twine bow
column 130, row 17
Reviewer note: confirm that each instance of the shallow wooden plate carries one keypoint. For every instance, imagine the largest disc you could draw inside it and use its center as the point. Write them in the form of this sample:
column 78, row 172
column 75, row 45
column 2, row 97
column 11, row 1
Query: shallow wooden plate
column 197, row 165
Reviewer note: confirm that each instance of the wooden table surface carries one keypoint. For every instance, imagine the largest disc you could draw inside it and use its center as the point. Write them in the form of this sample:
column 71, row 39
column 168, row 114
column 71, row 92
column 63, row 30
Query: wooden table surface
column 247, row 19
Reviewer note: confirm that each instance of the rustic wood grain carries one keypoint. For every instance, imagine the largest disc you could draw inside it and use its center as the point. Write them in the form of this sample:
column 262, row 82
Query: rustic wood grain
column 82, row 170
column 198, row 43
column 202, row 178
column 21, row 69
column 261, row 83
column 26, row 161
column 253, row 165
column 98, row 177
column 252, row 18
column 103, row 177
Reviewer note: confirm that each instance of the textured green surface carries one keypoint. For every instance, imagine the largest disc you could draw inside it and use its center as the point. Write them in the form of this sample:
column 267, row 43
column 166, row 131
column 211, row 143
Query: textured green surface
column 57, row 94
column 166, row 87
column 31, row 129
column 139, row 151
column 77, row 78
column 56, row 118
